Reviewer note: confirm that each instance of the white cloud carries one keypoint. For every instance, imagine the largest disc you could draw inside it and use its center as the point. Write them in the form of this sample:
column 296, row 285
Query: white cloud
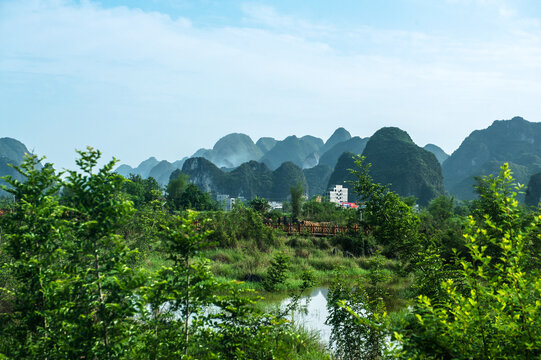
column 260, row 14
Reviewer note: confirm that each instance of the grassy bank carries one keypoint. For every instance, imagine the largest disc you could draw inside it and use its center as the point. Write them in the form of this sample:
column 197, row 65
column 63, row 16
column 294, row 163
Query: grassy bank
column 318, row 256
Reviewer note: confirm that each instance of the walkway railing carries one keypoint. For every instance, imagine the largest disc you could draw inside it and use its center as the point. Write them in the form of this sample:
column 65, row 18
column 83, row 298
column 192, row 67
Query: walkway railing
column 314, row 230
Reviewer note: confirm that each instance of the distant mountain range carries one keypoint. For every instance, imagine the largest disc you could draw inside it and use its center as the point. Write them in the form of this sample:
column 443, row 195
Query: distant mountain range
column 239, row 167
column 230, row 166
column 396, row 161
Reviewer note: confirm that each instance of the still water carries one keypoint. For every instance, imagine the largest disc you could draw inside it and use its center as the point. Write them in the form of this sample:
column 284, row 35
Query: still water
column 312, row 313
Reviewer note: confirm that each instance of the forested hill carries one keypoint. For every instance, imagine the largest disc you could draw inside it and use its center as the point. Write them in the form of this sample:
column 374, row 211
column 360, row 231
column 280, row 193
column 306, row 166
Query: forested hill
column 408, row 168
column 249, row 180
column 354, row 145
column 397, row 161
column 516, row 141
column 151, row 167
column 341, row 174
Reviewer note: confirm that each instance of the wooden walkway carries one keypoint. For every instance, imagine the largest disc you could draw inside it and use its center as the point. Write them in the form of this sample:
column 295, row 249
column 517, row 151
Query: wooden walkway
column 314, row 230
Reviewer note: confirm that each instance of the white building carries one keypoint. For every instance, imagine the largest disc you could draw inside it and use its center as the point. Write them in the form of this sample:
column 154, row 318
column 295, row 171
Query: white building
column 338, row 194
column 224, row 201
column 228, row 202
column 275, row 205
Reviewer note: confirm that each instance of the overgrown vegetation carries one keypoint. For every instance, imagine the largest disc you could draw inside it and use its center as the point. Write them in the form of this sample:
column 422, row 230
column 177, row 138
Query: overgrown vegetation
column 102, row 267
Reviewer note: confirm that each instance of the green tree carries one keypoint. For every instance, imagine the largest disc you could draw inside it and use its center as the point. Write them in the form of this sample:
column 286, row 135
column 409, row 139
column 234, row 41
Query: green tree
column 181, row 195
column 33, row 236
column 98, row 311
column 493, row 310
column 392, row 222
column 260, row 205
column 194, row 199
column 191, row 284
column 277, row 272
column 442, row 227
column 141, row 191
column 177, row 184
column 441, row 240
column 142, row 229
column 240, row 224
column 297, row 193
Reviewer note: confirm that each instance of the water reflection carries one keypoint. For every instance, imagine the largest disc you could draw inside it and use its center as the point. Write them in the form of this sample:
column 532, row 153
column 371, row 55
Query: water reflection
column 312, row 313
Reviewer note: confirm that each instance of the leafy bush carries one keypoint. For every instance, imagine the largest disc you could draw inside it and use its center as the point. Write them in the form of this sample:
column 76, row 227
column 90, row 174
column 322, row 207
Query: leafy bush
column 277, row 272
column 240, row 224
column 491, row 310
column 357, row 245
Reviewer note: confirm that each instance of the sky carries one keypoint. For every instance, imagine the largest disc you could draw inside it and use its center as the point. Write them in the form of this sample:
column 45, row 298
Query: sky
column 164, row 78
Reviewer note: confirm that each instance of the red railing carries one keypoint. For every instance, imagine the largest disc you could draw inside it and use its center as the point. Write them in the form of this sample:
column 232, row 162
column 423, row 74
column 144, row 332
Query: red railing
column 314, row 230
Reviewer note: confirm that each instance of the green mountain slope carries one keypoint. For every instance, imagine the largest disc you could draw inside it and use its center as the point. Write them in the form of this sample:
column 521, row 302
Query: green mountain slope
column 515, row 141
column 317, row 179
column 408, row 169
column 341, row 174
column 249, row 180
column 283, row 178
column 207, row 176
column 437, row 151
column 533, row 191
column 231, row 151
column 291, row 149
column 313, row 141
column 354, row 145
column 339, row 135
column 145, row 167
column 125, row 170
column 159, row 170
column 12, row 149
column 162, row 171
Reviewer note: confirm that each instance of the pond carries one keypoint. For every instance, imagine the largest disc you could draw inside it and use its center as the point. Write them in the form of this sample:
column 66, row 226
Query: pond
column 312, row 313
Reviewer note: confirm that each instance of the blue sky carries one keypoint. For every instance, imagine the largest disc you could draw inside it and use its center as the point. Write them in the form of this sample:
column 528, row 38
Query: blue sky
column 164, row 78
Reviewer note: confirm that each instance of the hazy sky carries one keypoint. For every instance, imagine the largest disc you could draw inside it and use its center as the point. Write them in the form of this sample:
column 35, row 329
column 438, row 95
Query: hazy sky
column 166, row 77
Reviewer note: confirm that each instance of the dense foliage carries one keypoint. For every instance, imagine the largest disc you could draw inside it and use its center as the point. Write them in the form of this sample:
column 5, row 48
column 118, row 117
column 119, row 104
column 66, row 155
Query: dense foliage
column 69, row 289
column 102, row 267
column 491, row 309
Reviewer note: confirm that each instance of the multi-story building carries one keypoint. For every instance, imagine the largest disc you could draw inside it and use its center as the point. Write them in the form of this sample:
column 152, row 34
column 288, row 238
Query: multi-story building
column 338, row 194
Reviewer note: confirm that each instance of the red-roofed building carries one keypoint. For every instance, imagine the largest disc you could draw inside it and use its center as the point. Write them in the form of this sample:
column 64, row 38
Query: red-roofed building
column 349, row 205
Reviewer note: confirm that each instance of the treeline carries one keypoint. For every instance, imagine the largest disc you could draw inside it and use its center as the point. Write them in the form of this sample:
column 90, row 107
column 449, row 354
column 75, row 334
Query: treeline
column 76, row 282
